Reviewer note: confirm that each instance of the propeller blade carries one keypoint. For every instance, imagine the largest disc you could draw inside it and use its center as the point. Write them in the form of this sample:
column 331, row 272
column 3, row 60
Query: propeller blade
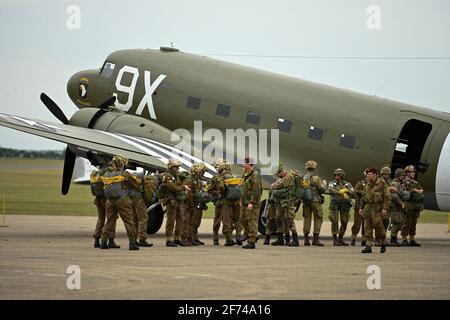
column 108, row 103
column 69, row 164
column 53, row 108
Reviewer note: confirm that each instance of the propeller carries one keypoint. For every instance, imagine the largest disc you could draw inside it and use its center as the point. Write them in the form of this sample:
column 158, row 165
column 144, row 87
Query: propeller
column 70, row 156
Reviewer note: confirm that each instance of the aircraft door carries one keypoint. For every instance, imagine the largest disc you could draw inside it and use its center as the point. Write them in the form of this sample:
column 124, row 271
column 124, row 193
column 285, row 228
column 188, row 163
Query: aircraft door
column 410, row 144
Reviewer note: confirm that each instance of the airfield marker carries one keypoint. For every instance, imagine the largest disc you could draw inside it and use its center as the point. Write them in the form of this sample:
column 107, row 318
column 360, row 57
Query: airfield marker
column 4, row 213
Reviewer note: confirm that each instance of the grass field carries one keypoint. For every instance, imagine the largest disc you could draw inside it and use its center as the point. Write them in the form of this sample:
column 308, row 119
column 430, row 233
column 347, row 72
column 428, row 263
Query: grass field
column 33, row 187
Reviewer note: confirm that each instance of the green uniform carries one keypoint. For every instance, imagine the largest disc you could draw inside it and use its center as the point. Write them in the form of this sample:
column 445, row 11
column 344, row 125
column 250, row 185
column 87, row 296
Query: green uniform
column 230, row 210
column 251, row 193
column 386, row 220
column 375, row 199
column 413, row 207
column 313, row 208
column 396, row 207
column 358, row 221
column 340, row 204
column 194, row 206
column 283, row 192
column 174, row 199
column 270, row 215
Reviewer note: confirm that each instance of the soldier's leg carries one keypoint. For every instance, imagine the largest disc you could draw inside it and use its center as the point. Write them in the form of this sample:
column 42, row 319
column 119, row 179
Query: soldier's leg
column 196, row 221
column 334, row 216
column 126, row 214
column 344, row 217
column 134, row 213
column 292, row 226
column 111, row 218
column 357, row 221
column 318, row 220
column 227, row 225
column 186, row 222
column 378, row 225
column 307, row 217
column 100, row 203
column 279, row 219
column 368, row 236
column 182, row 219
column 171, row 212
column 236, row 217
column 412, row 230
column 216, row 223
column 142, row 217
column 406, row 225
column 253, row 215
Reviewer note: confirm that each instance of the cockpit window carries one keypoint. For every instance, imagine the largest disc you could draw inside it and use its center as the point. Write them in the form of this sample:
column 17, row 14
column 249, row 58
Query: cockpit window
column 107, row 70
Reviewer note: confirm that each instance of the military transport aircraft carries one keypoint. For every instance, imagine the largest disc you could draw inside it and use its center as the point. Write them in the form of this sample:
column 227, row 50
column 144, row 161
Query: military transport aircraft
column 132, row 104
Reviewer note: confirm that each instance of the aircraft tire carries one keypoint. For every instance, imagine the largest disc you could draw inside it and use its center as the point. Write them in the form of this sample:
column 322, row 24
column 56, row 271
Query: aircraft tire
column 261, row 219
column 155, row 218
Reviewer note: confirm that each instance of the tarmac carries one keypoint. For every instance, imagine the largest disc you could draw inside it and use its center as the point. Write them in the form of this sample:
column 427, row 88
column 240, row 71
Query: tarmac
column 36, row 252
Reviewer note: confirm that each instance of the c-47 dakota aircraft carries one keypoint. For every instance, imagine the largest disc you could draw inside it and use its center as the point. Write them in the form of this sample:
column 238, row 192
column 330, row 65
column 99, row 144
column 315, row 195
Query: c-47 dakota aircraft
column 132, row 104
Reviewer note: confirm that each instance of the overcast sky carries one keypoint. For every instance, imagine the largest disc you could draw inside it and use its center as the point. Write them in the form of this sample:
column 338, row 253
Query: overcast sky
column 39, row 53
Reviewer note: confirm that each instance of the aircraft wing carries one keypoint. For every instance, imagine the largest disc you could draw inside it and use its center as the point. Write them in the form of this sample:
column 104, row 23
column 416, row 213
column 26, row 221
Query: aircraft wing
column 142, row 151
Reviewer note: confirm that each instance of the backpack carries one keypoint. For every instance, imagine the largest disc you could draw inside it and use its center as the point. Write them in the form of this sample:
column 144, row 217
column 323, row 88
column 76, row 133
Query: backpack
column 299, row 190
column 233, row 189
column 96, row 184
column 113, row 185
column 149, row 186
column 307, row 191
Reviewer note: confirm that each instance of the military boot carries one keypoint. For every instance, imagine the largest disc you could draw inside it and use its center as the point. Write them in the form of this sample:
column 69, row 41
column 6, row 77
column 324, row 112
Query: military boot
column 307, row 243
column 287, row 239
column 229, row 243
column 216, row 242
column 279, row 241
column 104, row 245
column 144, row 243
column 267, row 240
column 294, row 242
column 383, row 248
column 394, row 242
column 413, row 243
column 249, row 245
column 367, row 249
column 316, row 241
column 336, row 243
column 186, row 243
column 238, row 240
column 178, row 242
column 405, row 243
column 112, row 244
column 96, row 242
column 133, row 246
column 197, row 242
column 170, row 244
column 353, row 243
column 341, row 241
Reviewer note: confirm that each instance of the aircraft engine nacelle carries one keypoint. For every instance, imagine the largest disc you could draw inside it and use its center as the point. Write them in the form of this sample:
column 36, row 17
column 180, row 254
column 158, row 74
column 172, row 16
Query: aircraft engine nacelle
column 117, row 122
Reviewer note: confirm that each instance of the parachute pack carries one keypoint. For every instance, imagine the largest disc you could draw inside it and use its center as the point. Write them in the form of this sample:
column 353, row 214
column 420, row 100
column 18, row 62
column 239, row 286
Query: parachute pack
column 113, row 185
column 96, row 184
column 233, row 189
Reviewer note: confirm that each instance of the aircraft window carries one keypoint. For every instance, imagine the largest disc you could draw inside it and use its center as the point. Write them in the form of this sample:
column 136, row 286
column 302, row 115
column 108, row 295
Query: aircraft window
column 223, row 110
column 107, row 69
column 193, row 103
column 315, row 133
column 284, row 125
column 253, row 117
column 347, row 141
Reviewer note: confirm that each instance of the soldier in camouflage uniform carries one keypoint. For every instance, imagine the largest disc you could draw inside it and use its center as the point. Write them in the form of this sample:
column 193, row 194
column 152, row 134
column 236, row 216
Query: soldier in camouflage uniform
column 341, row 193
column 100, row 203
column 231, row 205
column 139, row 207
column 250, row 200
column 196, row 202
column 413, row 207
column 397, row 205
column 215, row 187
column 116, row 183
column 358, row 221
column 312, row 204
column 174, row 196
column 374, row 207
column 386, row 177
column 283, row 192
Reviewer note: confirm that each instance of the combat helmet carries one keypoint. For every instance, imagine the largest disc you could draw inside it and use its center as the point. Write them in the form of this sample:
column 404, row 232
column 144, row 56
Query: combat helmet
column 385, row 170
column 410, row 168
column 310, row 165
column 198, row 168
column 399, row 172
column 173, row 163
column 339, row 172
column 119, row 161
column 225, row 166
column 216, row 164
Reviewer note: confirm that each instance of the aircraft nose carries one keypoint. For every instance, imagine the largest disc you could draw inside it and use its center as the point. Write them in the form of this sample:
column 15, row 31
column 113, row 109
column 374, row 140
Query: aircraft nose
column 77, row 89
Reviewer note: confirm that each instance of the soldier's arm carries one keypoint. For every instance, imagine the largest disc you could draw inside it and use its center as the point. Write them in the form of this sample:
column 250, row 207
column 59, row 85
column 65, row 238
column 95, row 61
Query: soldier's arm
column 386, row 197
column 171, row 185
column 133, row 181
column 255, row 193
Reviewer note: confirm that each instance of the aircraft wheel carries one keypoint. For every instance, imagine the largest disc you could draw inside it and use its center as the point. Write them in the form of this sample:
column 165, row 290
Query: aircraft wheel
column 155, row 214
column 262, row 219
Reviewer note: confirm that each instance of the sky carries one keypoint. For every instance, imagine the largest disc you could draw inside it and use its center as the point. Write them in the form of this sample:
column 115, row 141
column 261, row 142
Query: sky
column 396, row 49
